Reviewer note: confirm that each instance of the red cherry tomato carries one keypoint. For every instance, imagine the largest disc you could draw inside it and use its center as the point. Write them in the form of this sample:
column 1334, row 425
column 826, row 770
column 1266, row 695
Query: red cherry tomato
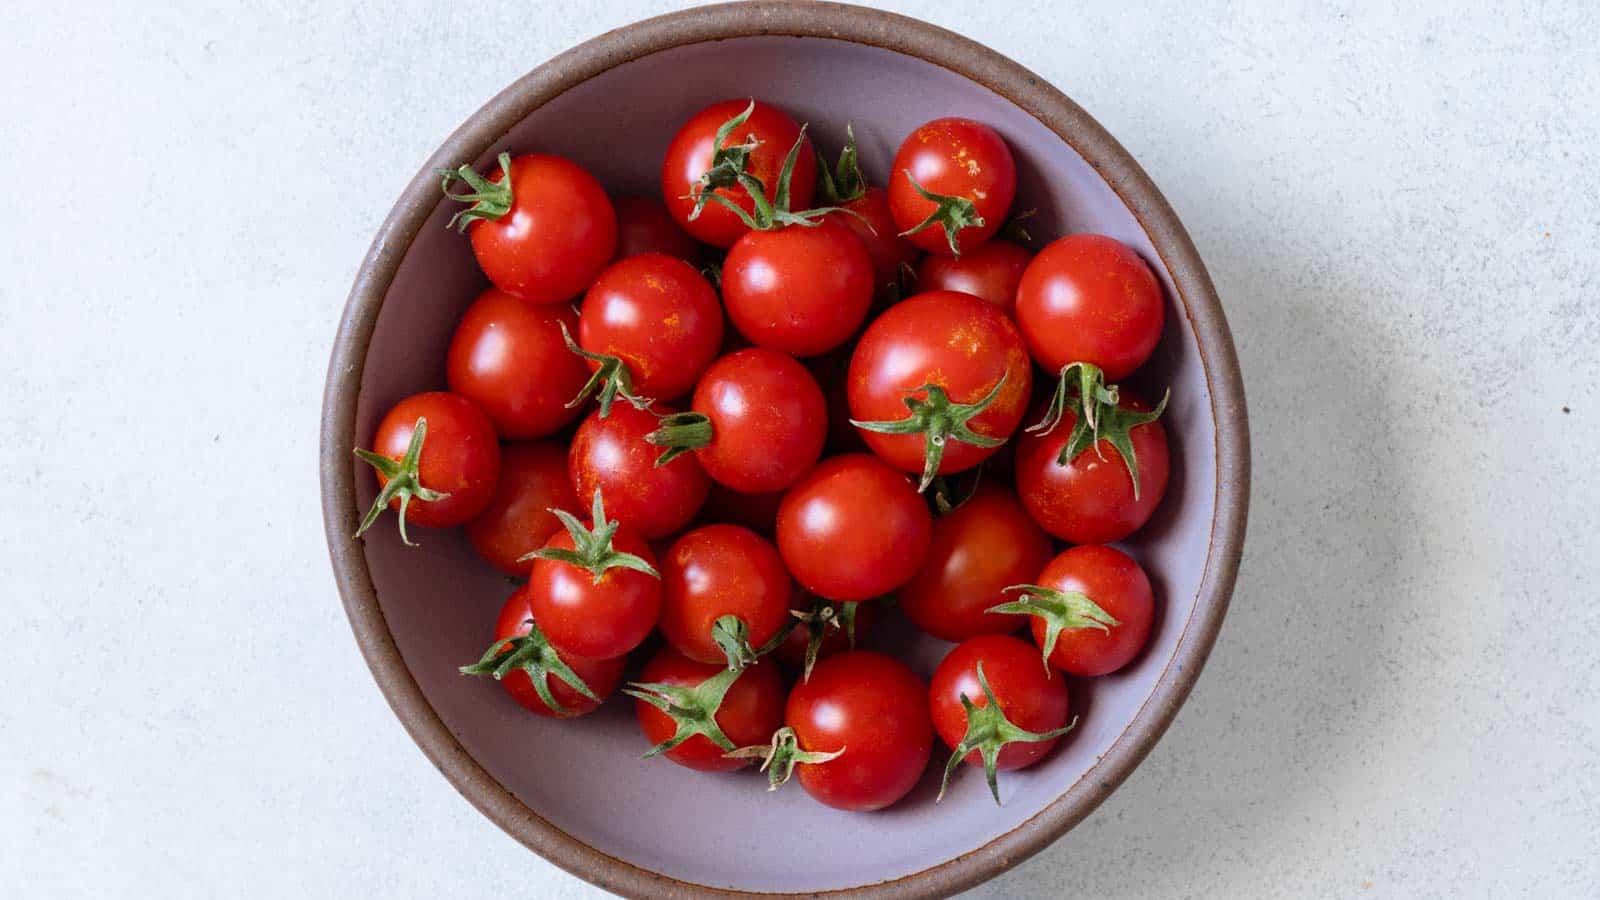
column 980, row 548
column 873, row 708
column 645, row 226
column 657, row 315
column 1103, row 635
column 1027, row 698
column 964, row 161
column 1090, row 298
column 595, row 597
column 611, row 455
column 758, row 424
column 509, row 357
column 959, row 344
column 518, row 521
column 801, row 289
column 853, row 529
column 991, row 272
column 690, row 156
column 749, row 711
column 439, row 476
column 546, row 237
column 832, row 626
column 725, row 594
column 1090, row 500
column 874, row 226
column 600, row 676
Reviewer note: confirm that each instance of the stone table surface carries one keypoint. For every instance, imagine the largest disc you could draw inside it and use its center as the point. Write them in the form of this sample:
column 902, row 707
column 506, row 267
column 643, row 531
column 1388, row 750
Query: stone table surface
column 1401, row 209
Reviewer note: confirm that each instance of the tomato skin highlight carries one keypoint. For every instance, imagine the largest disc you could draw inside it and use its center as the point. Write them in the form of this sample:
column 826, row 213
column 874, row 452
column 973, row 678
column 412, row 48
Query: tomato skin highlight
column 720, row 570
column 991, row 272
column 560, row 232
column 954, row 157
column 853, row 528
column 876, row 709
column 768, row 419
column 946, row 338
column 1090, row 298
column 461, row 456
column 1090, row 500
column 1117, row 585
column 596, row 618
column 611, row 455
column 660, row 316
column 533, row 480
column 601, row 675
column 801, row 290
column 1029, row 696
column 508, row 356
column 689, row 156
column 874, row 226
column 980, row 548
column 645, row 226
column 750, row 711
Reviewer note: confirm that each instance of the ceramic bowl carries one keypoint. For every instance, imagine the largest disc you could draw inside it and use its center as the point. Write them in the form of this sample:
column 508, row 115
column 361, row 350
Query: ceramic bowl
column 577, row 792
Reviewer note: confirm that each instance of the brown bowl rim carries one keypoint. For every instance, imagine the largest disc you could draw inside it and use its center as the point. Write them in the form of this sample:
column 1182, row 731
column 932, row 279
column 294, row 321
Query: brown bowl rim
column 803, row 18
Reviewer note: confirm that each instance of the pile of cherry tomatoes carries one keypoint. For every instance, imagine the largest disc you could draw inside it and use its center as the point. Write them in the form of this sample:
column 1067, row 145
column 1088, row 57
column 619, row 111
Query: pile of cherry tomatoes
column 801, row 403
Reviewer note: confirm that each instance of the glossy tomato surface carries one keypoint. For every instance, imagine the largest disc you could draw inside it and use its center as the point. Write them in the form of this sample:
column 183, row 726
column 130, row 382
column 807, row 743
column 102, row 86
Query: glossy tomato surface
column 768, row 420
column 853, row 528
column 801, row 290
column 595, row 616
column 1117, row 585
column 601, row 676
column 1031, row 698
column 559, row 233
column 611, row 455
column 690, row 153
column 958, row 158
column 716, row 571
column 991, row 272
column 460, row 456
column 509, row 356
column 873, row 708
column 533, row 480
column 1090, row 298
column 657, row 314
column 750, row 712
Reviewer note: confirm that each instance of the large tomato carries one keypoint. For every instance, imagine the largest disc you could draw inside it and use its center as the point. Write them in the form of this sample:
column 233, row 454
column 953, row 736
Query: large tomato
column 518, row 521
column 713, row 148
column 509, row 357
column 853, row 528
column 536, row 675
column 991, row 272
column 645, row 226
column 725, row 594
column 800, row 289
column 1087, row 298
column 1091, row 610
column 938, row 382
column 610, row 454
column 594, row 589
column 649, row 326
column 952, row 185
column 695, row 712
column 979, row 549
column 541, row 226
column 437, row 461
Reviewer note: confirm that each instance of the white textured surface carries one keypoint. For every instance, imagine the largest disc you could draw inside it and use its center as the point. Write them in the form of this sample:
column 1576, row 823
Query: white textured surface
column 1401, row 211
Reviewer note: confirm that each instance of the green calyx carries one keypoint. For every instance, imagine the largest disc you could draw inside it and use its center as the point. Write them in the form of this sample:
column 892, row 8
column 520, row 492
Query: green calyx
column 533, row 654
column 727, row 163
column 823, row 615
column 680, row 433
column 1097, row 416
column 487, row 199
column 611, row 378
column 732, row 636
column 770, row 215
column 1016, row 229
column 988, row 730
column 593, row 548
column 400, row 480
column 693, row 709
column 952, row 213
column 845, row 182
column 940, row 420
column 1060, row 610
column 779, row 758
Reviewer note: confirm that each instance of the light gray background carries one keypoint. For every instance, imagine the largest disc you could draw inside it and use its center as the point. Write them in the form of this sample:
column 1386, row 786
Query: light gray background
column 1401, row 211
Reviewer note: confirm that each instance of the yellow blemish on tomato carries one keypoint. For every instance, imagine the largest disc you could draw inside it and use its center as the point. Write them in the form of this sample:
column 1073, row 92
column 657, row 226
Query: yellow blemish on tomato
column 967, row 338
column 673, row 324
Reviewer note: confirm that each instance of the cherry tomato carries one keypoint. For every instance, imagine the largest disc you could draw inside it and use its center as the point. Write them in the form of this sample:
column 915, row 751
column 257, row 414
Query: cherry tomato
column 1090, row 298
column 691, row 155
column 1098, row 603
column 645, row 226
column 544, row 233
column 610, row 454
column 1091, row 499
column 971, row 360
column 649, row 326
column 437, row 461
column 594, row 589
column 823, row 628
column 518, row 521
column 853, row 529
column 969, row 167
column 758, row 424
column 874, row 226
column 991, row 272
column 740, row 707
column 801, row 289
column 979, row 548
column 757, row 512
column 516, row 663
column 1018, row 712
column 509, row 357
column 725, row 594
column 875, row 710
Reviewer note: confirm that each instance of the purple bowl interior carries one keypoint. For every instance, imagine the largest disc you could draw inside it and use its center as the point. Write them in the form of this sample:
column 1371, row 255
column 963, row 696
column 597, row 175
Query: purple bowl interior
column 585, row 777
